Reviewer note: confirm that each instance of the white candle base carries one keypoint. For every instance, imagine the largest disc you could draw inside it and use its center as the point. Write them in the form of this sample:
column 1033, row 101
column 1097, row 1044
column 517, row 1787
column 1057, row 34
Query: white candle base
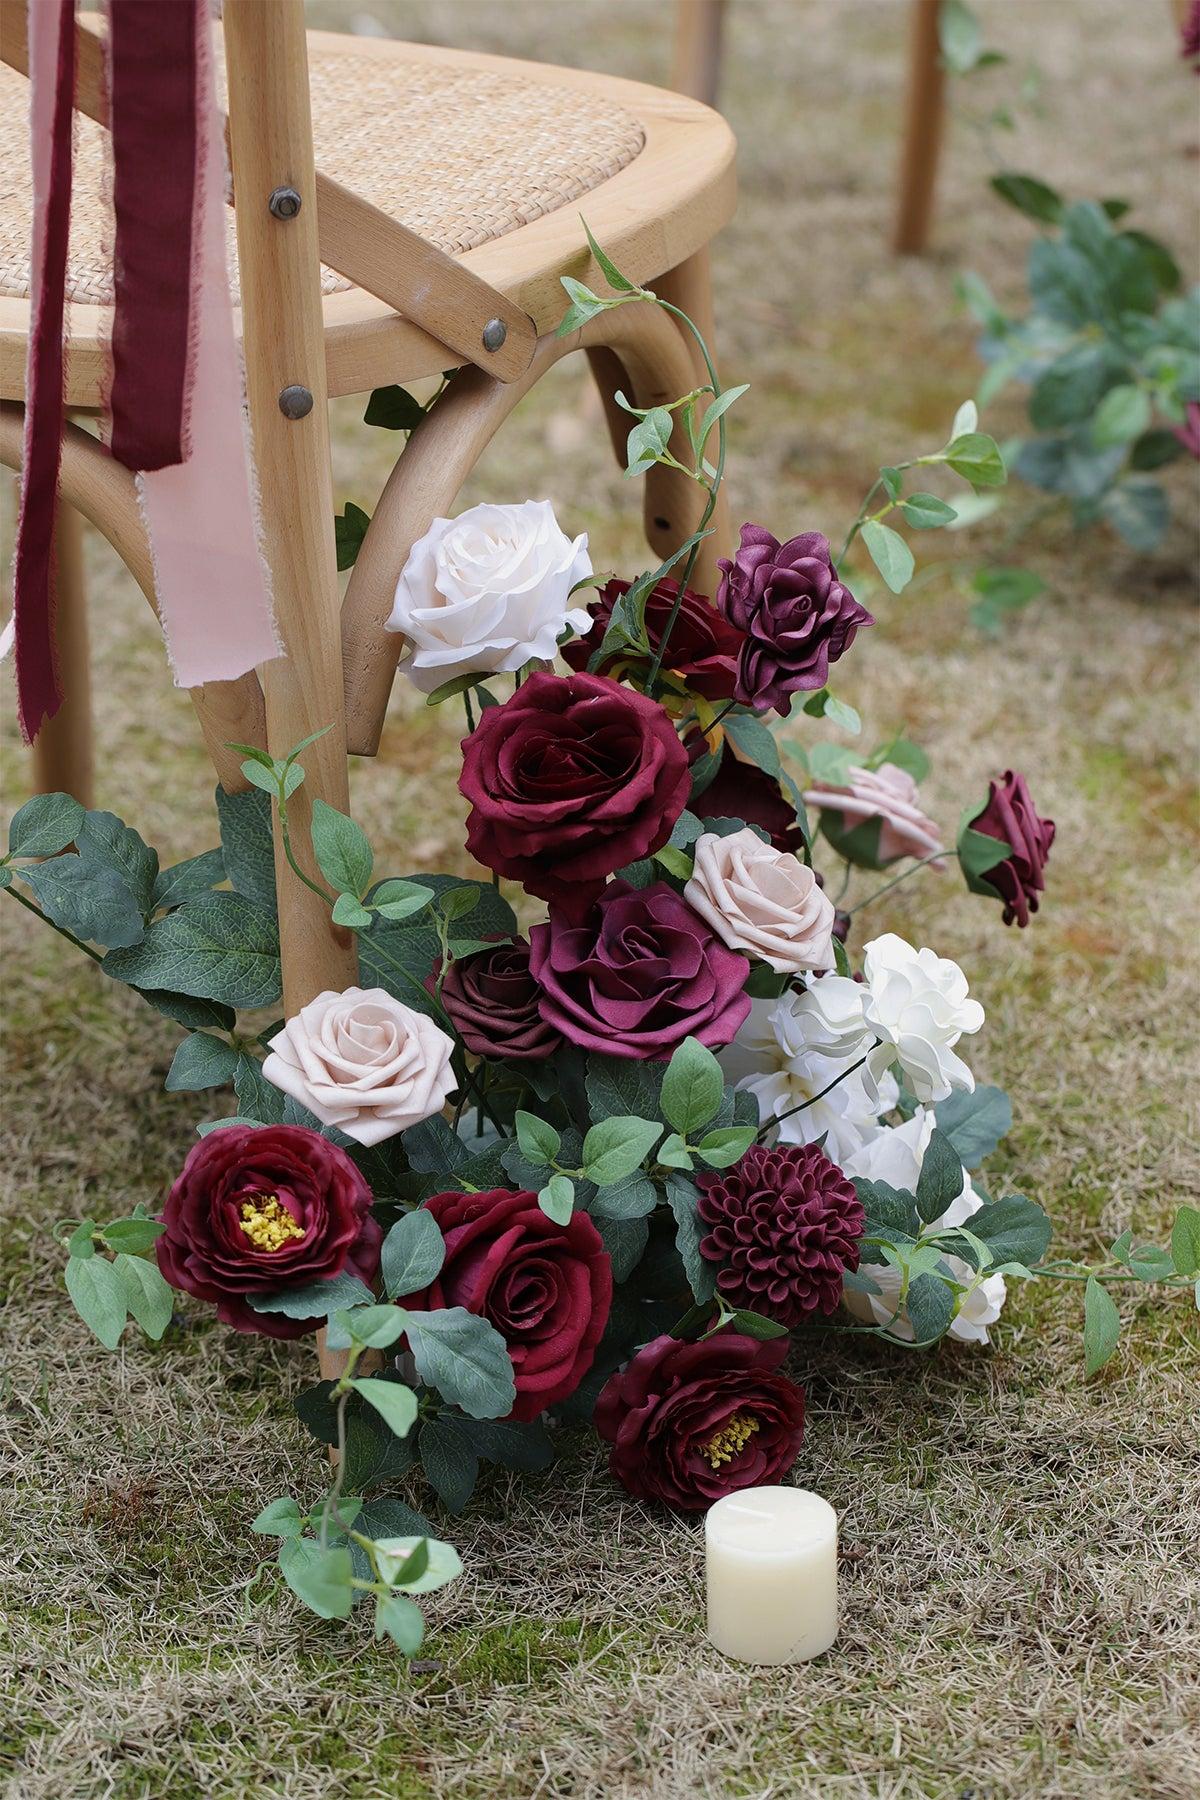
column 772, row 1575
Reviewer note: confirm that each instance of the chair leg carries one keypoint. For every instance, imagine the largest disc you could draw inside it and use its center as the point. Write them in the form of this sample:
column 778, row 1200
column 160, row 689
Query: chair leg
column 922, row 131
column 696, row 57
column 62, row 751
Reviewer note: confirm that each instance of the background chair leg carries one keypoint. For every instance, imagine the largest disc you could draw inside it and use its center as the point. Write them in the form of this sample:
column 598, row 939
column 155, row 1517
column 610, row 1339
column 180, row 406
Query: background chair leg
column 696, row 57
column 62, row 752
column 922, row 131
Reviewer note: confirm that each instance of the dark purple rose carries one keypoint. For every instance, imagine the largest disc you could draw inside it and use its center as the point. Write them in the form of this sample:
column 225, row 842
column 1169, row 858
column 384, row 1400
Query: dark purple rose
column 798, row 616
column 570, row 779
column 493, row 1003
column 546, row 1288
column 702, row 649
column 741, row 790
column 259, row 1208
column 689, row 1423
column 641, row 973
column 1011, row 816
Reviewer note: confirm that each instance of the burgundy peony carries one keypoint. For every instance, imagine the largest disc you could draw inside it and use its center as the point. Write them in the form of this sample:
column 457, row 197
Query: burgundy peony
column 691, row 1422
column 1011, row 816
column 493, row 1003
column 570, row 779
column 259, row 1208
column 741, row 790
column 546, row 1288
column 798, row 616
column 641, row 973
column 784, row 1225
column 702, row 649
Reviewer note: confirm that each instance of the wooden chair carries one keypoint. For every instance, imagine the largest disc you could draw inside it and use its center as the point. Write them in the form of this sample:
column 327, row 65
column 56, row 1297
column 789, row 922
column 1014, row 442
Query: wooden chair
column 412, row 251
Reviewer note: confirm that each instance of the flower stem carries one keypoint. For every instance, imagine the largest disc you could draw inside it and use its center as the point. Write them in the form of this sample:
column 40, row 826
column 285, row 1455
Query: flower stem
column 938, row 856
column 780, row 1117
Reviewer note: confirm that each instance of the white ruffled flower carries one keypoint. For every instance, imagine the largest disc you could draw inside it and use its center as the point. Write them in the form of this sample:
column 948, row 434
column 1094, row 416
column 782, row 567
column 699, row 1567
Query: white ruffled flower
column 762, row 900
column 364, row 1062
column 488, row 592
column 916, row 1003
column 894, row 1154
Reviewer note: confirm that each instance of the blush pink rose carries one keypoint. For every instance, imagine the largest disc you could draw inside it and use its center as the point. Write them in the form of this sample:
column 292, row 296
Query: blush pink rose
column 762, row 900
column 890, row 795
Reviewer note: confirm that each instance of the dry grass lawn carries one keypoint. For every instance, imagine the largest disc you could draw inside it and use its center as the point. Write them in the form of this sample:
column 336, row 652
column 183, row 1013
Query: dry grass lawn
column 1022, row 1589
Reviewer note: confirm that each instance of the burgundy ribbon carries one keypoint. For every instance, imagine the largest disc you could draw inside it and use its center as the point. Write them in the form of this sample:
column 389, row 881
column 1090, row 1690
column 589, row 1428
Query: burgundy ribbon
column 152, row 73
column 52, row 91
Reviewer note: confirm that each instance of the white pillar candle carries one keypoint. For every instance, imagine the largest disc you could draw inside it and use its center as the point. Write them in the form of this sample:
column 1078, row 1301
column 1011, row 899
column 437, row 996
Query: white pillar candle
column 772, row 1574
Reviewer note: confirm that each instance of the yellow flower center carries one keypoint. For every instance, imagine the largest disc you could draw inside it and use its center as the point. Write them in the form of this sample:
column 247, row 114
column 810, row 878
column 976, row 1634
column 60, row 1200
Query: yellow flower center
column 731, row 1440
column 268, row 1225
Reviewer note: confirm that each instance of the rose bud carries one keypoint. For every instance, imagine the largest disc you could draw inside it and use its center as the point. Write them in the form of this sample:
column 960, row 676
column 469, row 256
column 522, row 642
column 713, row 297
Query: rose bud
column 1010, row 817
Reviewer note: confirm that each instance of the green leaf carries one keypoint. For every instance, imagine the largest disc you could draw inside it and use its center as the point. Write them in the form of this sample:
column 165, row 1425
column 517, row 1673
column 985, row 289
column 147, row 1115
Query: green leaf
column 625, row 1241
column 719, row 406
column 1185, row 1241
column 201, row 1061
column 1138, row 511
column 377, row 1327
column 412, row 1255
column 682, row 1196
column 349, row 530
column 316, row 1301
column 196, row 875
column 1030, row 196
column 1003, row 590
column 1149, row 1263
column 448, row 1460
column 44, row 825
column 351, row 913
column 755, row 740
column 81, row 1241
column 105, row 842
column 616, row 1147
column 931, row 1307
column 220, row 946
column 978, row 852
column 397, row 900
column 437, row 1564
column 557, row 1199
column 528, row 1447
column 148, row 1294
column 976, row 457
column 465, row 1359
column 974, row 1123
column 1101, row 1326
column 1014, row 1229
column 607, row 266
column 692, row 1087
column 320, row 1578
column 925, row 512
column 92, row 903
column 1123, row 414
column 540, row 1143
column 621, row 1085
column 132, row 1235
column 941, row 1178
column 395, row 1404
column 890, row 554
column 893, row 481
column 282, row 1519
column 632, row 1198
column 393, row 409
column 728, row 1145
column 959, row 37
column 1069, row 390
column 400, row 1619
column 673, row 1153
column 343, row 854
column 648, row 439
column 98, row 1293
column 753, row 1325
column 248, row 845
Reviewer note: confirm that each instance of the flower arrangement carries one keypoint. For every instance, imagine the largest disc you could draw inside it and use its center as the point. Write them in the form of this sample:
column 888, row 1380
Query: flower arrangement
column 605, row 1166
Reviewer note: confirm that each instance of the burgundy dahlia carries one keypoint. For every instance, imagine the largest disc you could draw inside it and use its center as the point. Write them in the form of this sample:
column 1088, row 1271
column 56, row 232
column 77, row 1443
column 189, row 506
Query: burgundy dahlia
column 572, row 778
column 259, row 1208
column 640, row 974
column 546, row 1288
column 493, row 1002
column 785, row 1224
column 689, row 1423
column 1011, row 816
column 798, row 616
column 702, row 649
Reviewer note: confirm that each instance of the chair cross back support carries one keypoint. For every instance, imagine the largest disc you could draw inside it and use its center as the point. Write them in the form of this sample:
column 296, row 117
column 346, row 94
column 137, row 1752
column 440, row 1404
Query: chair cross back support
column 378, row 254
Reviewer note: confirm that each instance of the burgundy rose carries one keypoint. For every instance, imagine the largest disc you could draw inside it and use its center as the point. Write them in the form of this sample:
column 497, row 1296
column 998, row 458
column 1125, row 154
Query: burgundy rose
column 689, row 1423
column 546, row 1288
column 493, row 1003
column 259, row 1208
column 640, row 974
column 1189, row 432
column 784, row 1226
column 798, row 616
column 702, row 649
column 570, row 779
column 1011, row 816
column 741, row 790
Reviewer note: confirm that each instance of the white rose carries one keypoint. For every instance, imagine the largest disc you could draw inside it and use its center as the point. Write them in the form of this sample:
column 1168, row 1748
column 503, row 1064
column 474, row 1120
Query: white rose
column 762, row 900
column 893, row 1153
column 363, row 1062
column 916, row 1003
column 488, row 592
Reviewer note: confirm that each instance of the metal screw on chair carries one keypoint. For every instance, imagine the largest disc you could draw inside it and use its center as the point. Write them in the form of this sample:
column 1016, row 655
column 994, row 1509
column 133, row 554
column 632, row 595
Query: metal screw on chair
column 494, row 334
column 295, row 402
column 284, row 203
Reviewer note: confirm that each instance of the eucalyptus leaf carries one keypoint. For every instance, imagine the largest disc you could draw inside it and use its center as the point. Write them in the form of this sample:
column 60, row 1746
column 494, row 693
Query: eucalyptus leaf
column 320, row 1578
column 465, row 1359
column 44, row 825
column 148, row 1295
column 692, row 1087
column 99, row 1297
column 395, row 1403
column 890, row 554
column 1101, row 1326
column 412, row 1255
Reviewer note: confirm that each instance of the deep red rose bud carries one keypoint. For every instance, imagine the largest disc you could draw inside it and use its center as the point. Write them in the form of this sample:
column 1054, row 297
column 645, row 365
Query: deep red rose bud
column 1011, row 817
column 702, row 650
column 572, row 778
column 493, row 1003
column 641, row 973
column 256, row 1209
column 741, row 790
column 797, row 615
column 785, row 1225
column 546, row 1288
column 689, row 1423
